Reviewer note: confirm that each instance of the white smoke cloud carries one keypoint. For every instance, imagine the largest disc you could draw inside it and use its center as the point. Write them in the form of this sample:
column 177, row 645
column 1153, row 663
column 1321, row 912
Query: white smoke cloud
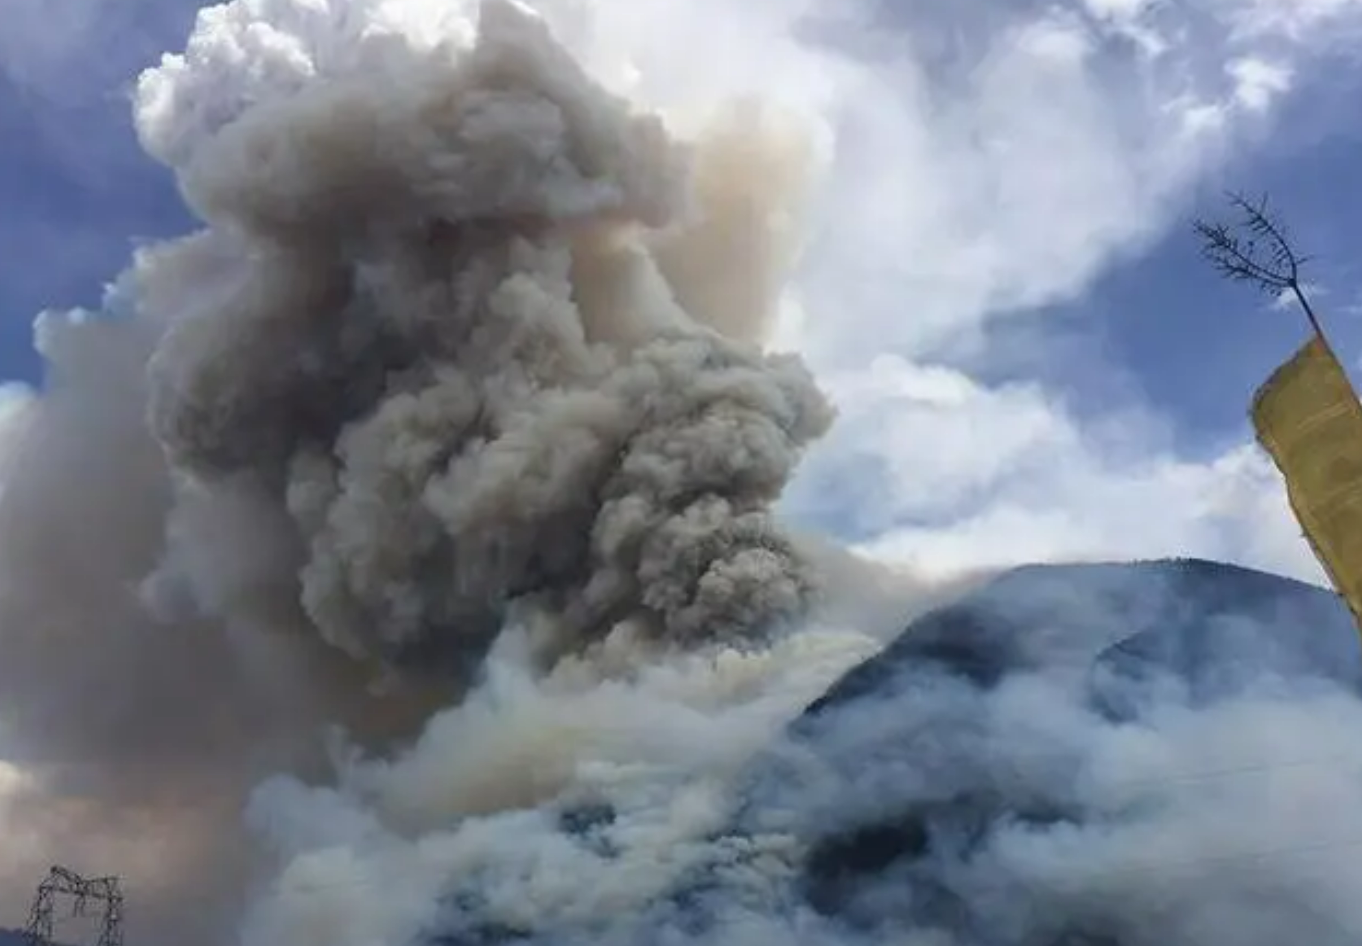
column 1175, row 829
column 657, row 751
column 670, row 809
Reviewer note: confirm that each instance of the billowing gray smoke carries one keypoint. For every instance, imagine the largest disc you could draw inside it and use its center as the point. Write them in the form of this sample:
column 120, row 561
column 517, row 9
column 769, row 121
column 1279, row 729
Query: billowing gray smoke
column 463, row 342
column 468, row 342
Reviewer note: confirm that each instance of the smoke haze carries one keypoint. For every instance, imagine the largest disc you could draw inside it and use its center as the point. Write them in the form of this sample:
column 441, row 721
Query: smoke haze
column 395, row 558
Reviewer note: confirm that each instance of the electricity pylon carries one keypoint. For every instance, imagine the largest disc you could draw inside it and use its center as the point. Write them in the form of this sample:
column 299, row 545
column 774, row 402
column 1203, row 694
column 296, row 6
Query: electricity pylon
column 103, row 891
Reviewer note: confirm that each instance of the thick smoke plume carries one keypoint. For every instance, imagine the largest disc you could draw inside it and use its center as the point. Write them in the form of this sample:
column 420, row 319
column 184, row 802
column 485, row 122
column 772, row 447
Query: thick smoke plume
column 467, row 341
column 462, row 390
column 468, row 344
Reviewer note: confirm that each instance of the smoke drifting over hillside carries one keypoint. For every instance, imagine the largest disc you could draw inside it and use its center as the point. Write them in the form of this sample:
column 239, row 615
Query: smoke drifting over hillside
column 454, row 428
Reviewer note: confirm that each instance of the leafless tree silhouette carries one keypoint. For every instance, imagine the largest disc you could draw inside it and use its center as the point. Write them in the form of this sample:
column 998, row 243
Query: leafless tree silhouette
column 1256, row 249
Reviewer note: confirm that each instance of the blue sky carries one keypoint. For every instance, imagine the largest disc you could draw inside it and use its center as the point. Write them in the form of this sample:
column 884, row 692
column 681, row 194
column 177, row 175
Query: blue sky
column 1054, row 293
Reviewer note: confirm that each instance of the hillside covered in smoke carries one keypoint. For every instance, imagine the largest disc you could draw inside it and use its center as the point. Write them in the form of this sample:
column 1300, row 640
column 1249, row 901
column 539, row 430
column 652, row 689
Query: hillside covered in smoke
column 999, row 776
column 397, row 560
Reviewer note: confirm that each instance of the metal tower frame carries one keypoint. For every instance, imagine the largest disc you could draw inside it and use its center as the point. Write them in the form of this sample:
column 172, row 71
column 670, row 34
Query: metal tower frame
column 62, row 882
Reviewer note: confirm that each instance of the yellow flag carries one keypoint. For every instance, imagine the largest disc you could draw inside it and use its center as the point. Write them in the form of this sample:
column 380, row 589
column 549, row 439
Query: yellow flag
column 1308, row 418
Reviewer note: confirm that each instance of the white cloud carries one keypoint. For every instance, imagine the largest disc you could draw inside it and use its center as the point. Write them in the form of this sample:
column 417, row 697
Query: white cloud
column 1010, row 184
column 951, row 474
column 1117, row 9
column 1258, row 82
column 1130, row 19
column 1286, row 299
column 1009, row 180
column 1294, row 19
column 41, row 39
column 63, row 51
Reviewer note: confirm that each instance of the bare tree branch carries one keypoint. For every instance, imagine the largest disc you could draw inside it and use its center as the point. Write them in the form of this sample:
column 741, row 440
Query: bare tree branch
column 1256, row 249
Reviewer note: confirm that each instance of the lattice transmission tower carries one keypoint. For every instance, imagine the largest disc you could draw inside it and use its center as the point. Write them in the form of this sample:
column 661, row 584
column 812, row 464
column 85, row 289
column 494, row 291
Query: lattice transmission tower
column 62, row 883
